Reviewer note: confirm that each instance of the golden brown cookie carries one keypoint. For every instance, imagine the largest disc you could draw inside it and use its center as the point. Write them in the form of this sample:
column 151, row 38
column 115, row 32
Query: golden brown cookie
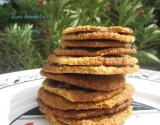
column 93, row 82
column 99, row 70
column 92, row 43
column 58, row 102
column 81, row 114
column 94, row 52
column 93, row 61
column 53, row 121
column 102, row 35
column 114, row 119
column 75, row 94
column 116, row 29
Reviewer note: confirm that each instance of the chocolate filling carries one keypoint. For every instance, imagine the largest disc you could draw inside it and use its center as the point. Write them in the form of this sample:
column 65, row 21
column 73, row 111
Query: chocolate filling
column 60, row 84
column 95, row 31
column 97, row 40
column 114, row 55
column 119, row 66
column 95, row 49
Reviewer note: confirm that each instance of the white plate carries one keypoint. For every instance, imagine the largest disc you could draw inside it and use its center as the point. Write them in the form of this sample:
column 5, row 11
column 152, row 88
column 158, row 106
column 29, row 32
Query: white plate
column 18, row 92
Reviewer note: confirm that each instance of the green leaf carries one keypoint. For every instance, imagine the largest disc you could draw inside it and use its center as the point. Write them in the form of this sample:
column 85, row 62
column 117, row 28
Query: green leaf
column 145, row 56
column 149, row 37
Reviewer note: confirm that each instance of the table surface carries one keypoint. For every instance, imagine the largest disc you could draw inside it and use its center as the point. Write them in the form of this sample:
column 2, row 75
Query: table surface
column 14, row 78
column 23, row 86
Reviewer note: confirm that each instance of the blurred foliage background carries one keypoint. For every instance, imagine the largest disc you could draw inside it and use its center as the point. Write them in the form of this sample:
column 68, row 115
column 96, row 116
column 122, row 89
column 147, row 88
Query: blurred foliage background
column 30, row 30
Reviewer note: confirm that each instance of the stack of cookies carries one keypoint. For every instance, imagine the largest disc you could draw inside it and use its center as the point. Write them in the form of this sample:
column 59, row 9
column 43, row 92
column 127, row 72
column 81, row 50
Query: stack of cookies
column 85, row 82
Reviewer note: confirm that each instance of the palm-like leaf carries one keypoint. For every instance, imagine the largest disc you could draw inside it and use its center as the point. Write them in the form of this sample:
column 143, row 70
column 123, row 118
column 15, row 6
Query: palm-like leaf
column 145, row 56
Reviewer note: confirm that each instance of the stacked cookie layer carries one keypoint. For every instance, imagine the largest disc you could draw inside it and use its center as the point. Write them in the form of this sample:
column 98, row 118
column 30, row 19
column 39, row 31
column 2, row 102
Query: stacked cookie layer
column 85, row 82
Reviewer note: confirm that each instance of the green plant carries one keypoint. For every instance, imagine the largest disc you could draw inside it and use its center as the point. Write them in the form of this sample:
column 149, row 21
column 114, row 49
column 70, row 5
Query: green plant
column 141, row 18
column 87, row 12
column 5, row 12
column 146, row 40
column 18, row 51
column 64, row 13
column 57, row 18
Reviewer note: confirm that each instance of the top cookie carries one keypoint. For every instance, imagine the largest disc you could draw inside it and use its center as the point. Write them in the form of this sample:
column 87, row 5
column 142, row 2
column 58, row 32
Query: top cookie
column 96, row 35
column 116, row 33
column 116, row 29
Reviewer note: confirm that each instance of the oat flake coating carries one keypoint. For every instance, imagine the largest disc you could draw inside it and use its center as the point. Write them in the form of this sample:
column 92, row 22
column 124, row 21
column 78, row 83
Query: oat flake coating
column 82, row 114
column 116, row 29
column 98, row 52
column 99, row 36
column 93, row 61
column 59, row 102
column 99, row 70
column 116, row 119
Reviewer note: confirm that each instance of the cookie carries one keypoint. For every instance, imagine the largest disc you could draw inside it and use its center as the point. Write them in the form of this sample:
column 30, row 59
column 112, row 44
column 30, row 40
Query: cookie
column 53, row 121
column 82, row 114
column 59, row 102
column 102, row 35
column 92, row 43
column 75, row 94
column 94, row 52
column 116, row 29
column 93, row 61
column 99, row 70
column 114, row 119
column 92, row 82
